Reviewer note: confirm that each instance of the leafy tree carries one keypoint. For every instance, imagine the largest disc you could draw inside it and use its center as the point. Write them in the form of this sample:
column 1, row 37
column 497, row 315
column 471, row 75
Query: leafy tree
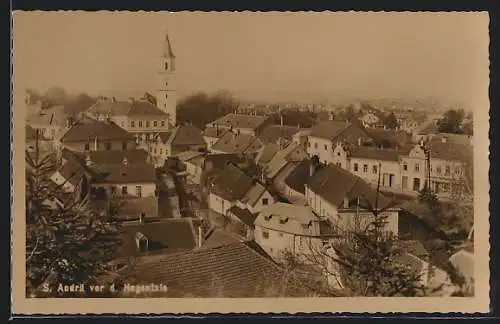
column 293, row 117
column 66, row 243
column 56, row 95
column 200, row 108
column 78, row 104
column 452, row 121
column 391, row 121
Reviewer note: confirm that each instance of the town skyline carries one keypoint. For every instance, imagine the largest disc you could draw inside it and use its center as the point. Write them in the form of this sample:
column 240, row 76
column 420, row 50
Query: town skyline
column 449, row 55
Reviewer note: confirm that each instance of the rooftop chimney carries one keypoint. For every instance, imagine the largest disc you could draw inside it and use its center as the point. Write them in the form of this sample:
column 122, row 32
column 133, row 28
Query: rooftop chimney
column 142, row 218
column 330, row 116
column 359, row 141
column 141, row 241
column 346, row 202
column 113, row 99
column 131, row 99
column 443, row 139
column 88, row 161
column 125, row 161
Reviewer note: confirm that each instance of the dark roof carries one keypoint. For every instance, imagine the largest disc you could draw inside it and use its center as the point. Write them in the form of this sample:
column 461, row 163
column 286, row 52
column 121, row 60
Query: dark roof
column 367, row 152
column 266, row 153
column 130, row 207
column 299, row 177
column 126, row 108
column 334, row 184
column 234, row 270
column 244, row 215
column 218, row 237
column 214, row 132
column 130, row 173
column 237, row 143
column 329, row 129
column 272, row 133
column 117, row 156
column 452, row 152
column 240, row 121
column 166, row 236
column 186, row 135
column 102, row 130
column 232, row 184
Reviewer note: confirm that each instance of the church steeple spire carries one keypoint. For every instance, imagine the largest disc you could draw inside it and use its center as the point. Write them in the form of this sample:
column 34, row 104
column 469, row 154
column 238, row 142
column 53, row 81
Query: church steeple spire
column 167, row 49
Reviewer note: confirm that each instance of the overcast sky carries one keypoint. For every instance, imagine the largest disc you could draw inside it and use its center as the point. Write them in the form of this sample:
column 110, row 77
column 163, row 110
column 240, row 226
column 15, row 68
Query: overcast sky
column 292, row 56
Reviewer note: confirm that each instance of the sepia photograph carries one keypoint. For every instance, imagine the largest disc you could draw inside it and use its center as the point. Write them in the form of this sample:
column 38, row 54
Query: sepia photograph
column 250, row 162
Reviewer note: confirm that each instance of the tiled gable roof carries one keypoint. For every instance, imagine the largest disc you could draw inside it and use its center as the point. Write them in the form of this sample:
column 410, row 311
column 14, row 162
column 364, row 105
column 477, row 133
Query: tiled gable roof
column 329, row 129
column 299, row 177
column 266, row 153
column 96, row 129
column 452, row 152
column 218, row 237
column 334, row 184
column 186, row 135
column 287, row 218
column 237, row 143
column 366, row 152
column 244, row 215
column 234, row 270
column 166, row 236
column 272, row 133
column 130, row 173
column 72, row 171
column 240, row 121
column 232, row 184
column 253, row 195
column 126, row 108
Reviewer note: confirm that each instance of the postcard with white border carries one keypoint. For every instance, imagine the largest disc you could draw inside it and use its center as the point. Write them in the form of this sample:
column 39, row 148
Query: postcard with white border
column 250, row 162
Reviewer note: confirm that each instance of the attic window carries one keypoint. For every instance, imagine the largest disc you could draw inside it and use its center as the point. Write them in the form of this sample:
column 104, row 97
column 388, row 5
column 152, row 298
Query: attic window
column 284, row 220
column 123, row 174
column 267, row 218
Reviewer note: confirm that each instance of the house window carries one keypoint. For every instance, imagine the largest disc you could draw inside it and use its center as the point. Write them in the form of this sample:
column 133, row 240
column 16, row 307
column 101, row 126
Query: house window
column 124, row 146
column 308, row 144
column 161, row 151
column 113, row 190
column 265, row 201
column 281, row 234
column 356, row 167
column 338, row 154
column 416, row 184
column 315, row 145
column 374, row 169
column 140, row 123
column 108, row 146
column 339, row 164
column 447, row 170
column 365, row 168
column 405, row 167
column 457, row 171
column 132, row 123
column 122, row 124
column 417, row 167
column 87, row 146
column 326, row 147
column 265, row 234
column 138, row 191
column 147, row 123
column 155, row 123
column 154, row 150
column 438, row 169
column 124, row 190
column 162, row 123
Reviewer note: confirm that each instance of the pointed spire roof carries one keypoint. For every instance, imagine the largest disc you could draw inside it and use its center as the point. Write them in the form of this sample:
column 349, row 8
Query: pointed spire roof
column 167, row 50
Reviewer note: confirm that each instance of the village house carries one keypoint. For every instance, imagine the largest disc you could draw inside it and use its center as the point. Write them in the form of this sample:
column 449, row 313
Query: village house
column 338, row 196
column 283, row 228
column 73, row 177
column 31, row 138
column 97, row 136
column 179, row 139
column 367, row 162
column 450, row 169
column 236, row 142
column 51, row 122
column 232, row 187
column 324, row 137
column 300, row 138
column 246, row 124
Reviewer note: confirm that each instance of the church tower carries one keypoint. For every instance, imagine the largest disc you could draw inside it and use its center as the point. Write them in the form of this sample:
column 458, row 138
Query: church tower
column 165, row 94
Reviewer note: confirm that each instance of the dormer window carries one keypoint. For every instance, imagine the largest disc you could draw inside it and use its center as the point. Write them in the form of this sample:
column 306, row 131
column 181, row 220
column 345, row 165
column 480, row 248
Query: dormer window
column 284, row 220
column 166, row 65
column 142, row 242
